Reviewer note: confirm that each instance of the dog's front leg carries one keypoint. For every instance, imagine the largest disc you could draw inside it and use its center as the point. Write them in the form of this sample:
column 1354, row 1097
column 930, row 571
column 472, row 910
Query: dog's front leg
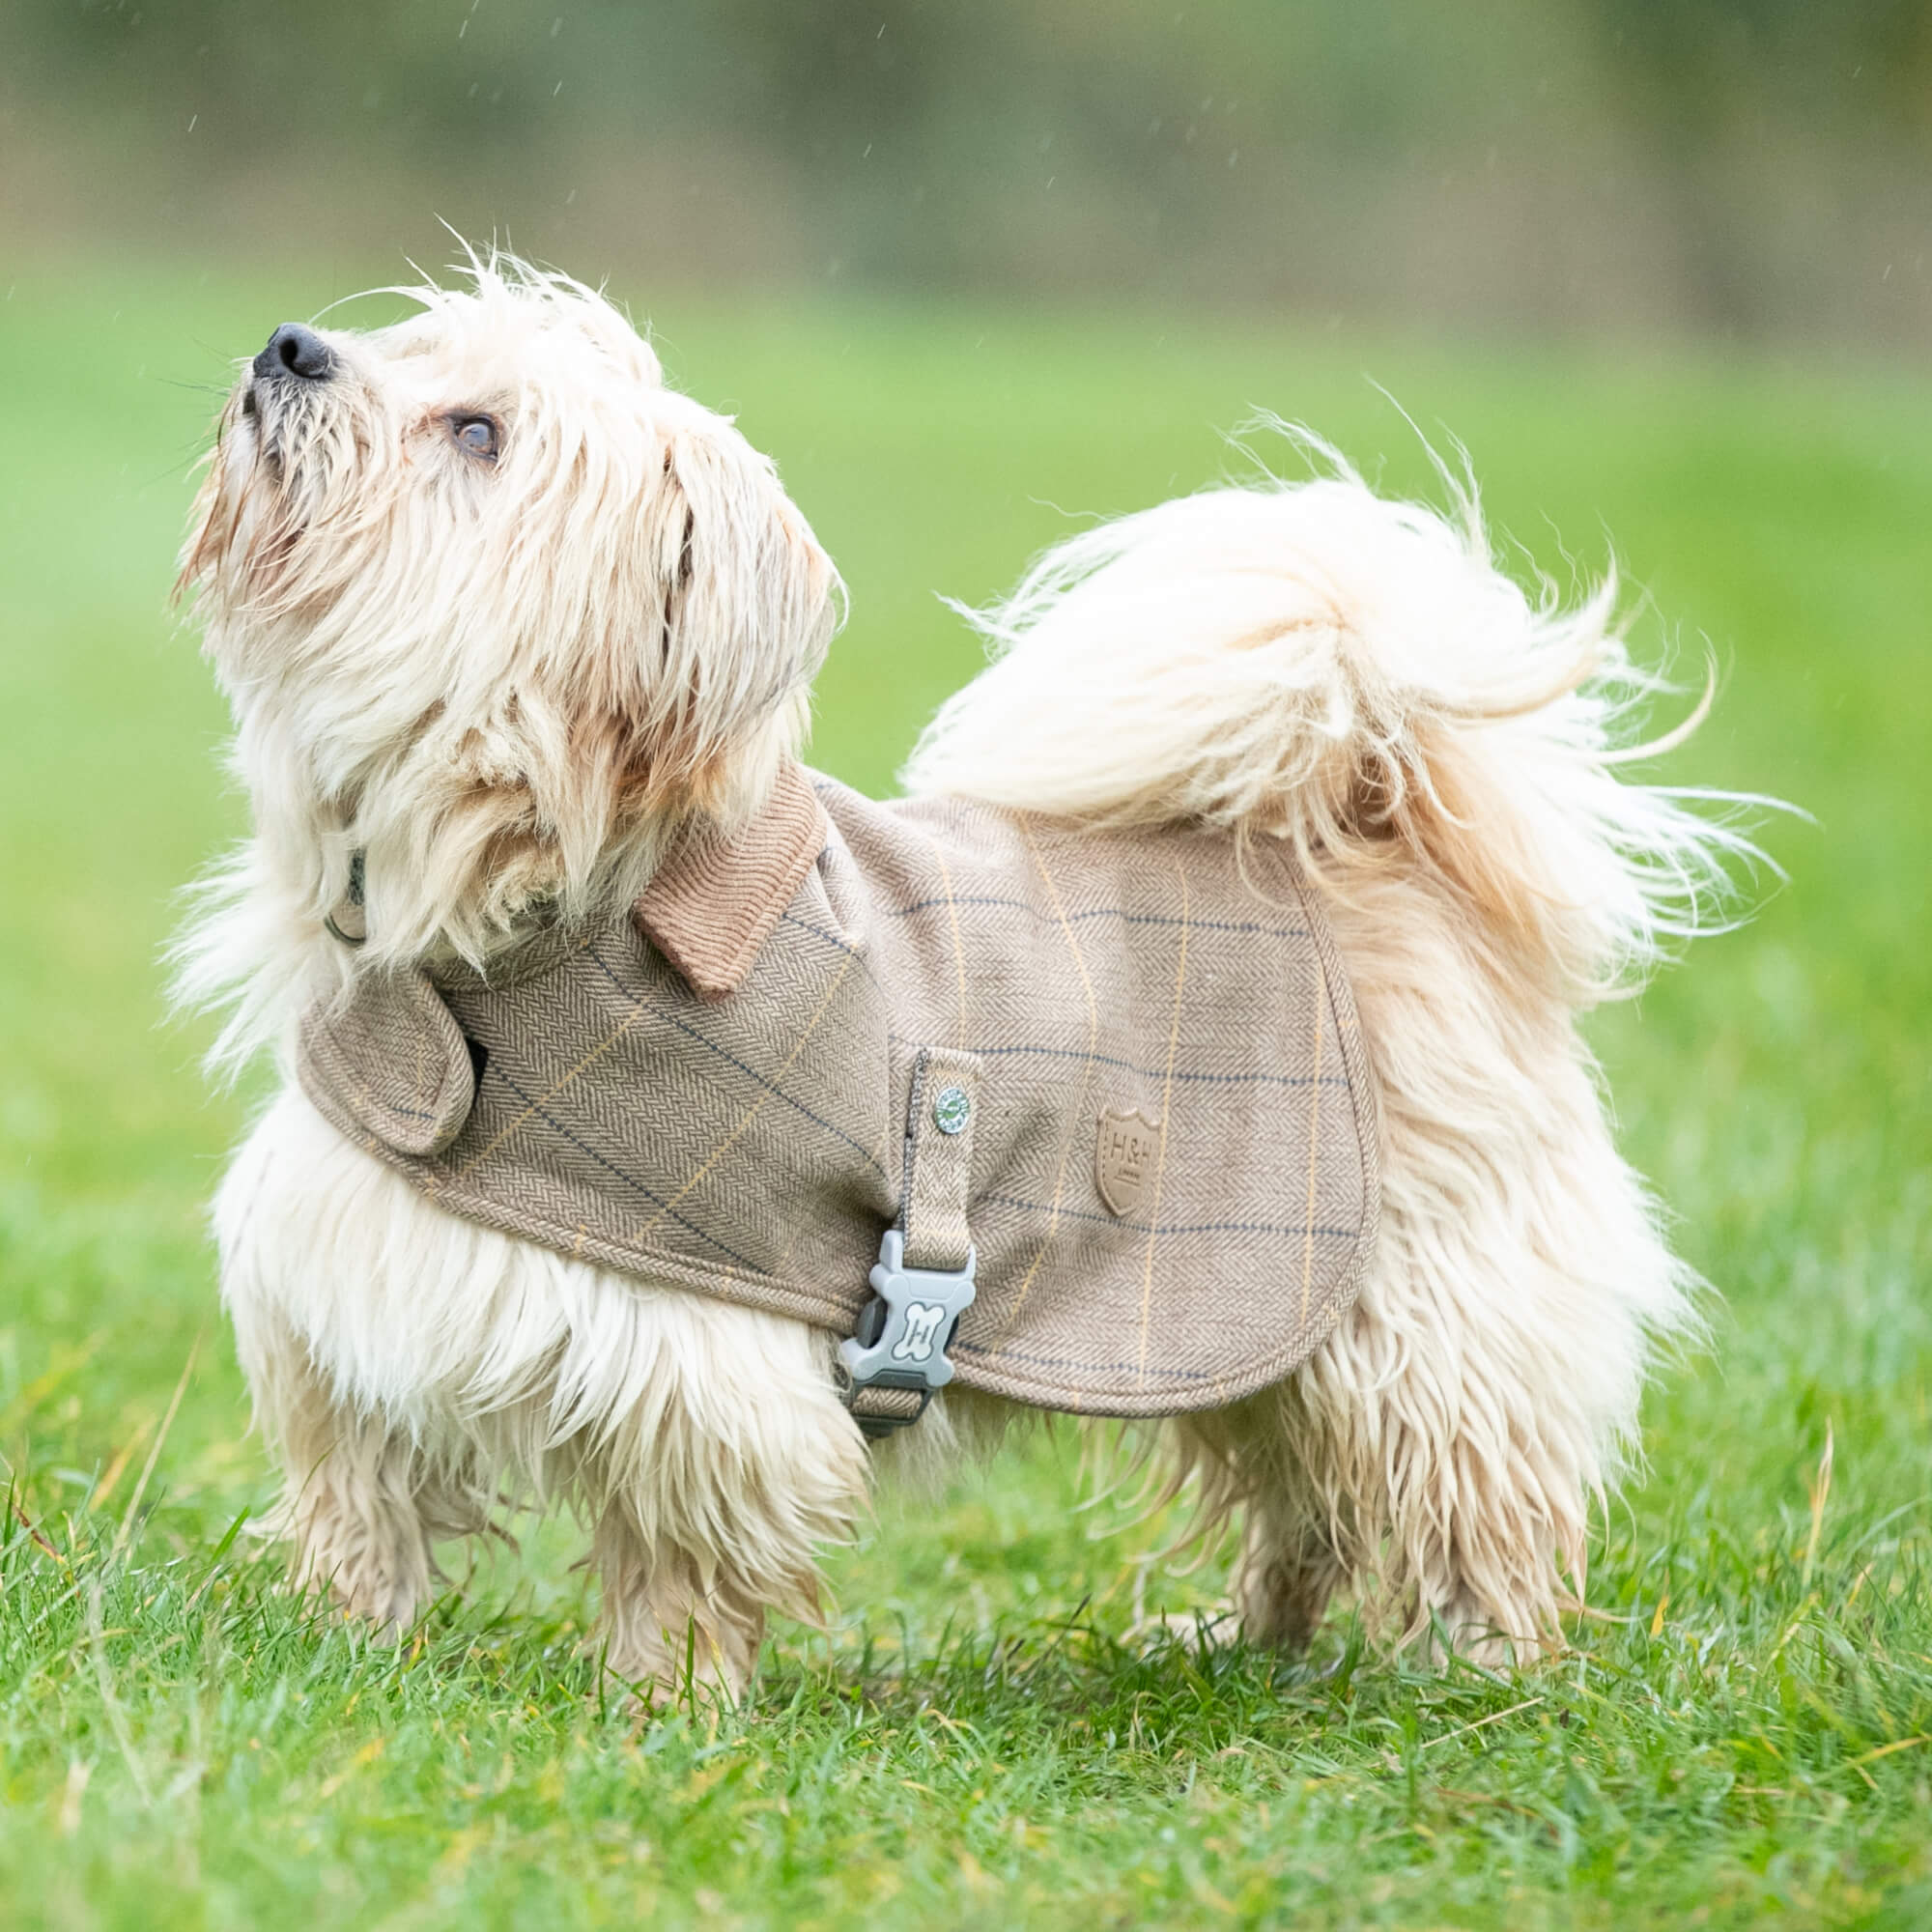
column 356, row 1503
column 674, row 1626
column 323, row 1311
column 727, row 1467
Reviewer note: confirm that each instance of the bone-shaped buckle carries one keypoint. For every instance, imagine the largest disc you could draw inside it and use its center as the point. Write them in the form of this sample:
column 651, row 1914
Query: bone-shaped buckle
column 902, row 1334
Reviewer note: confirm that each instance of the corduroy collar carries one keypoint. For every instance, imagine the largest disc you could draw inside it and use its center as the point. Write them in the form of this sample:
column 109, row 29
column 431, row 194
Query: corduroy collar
column 714, row 902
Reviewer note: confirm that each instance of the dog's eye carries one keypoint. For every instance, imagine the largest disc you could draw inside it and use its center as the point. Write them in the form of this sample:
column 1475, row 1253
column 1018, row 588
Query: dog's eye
column 478, row 435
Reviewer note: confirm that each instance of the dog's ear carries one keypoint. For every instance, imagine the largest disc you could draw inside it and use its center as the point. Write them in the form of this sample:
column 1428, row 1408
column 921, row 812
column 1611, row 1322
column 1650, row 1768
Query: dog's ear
column 745, row 597
column 690, row 606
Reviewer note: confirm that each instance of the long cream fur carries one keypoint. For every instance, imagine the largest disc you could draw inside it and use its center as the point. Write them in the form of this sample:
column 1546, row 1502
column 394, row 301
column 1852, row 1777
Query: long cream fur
column 508, row 683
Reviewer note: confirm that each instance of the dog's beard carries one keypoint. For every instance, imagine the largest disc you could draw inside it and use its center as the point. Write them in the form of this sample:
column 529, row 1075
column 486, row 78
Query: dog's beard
column 292, row 474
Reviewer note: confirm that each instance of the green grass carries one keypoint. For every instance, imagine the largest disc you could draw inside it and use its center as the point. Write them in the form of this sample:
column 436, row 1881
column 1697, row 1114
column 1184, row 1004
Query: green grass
column 1742, row 1732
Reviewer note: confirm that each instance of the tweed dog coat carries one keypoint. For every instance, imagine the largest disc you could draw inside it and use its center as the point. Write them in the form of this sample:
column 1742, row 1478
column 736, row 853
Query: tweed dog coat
column 1121, row 1068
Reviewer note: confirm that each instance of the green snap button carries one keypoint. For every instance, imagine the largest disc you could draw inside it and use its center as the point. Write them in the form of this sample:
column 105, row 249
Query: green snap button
column 952, row 1110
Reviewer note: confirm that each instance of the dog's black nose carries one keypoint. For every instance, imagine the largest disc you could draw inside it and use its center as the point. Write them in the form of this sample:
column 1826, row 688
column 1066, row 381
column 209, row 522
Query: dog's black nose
column 296, row 350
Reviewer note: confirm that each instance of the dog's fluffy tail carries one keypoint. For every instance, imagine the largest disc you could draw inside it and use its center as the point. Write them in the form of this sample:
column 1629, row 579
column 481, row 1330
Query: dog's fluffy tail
column 1314, row 662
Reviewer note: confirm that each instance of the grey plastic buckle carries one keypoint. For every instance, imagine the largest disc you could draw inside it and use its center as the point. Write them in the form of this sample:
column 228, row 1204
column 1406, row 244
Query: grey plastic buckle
column 903, row 1332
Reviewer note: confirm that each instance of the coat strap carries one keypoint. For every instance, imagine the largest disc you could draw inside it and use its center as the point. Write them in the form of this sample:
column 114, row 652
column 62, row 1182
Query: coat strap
column 923, row 1282
column 939, row 1159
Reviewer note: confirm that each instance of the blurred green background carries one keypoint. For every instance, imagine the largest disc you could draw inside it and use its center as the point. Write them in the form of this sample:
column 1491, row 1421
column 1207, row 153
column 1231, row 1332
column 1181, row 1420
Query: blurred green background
column 973, row 275
column 1751, row 167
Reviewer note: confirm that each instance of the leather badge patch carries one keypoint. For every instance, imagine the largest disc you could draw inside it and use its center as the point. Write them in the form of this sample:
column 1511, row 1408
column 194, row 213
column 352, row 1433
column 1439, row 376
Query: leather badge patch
column 1123, row 1158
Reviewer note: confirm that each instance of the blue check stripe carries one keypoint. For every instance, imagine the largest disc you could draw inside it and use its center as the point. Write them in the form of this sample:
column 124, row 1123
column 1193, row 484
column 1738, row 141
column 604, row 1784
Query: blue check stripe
column 751, row 1072
column 1246, row 926
column 1005, row 1355
column 1254, row 927
column 1159, row 1072
column 1146, row 1072
column 1196, row 1228
column 493, row 1072
column 819, row 932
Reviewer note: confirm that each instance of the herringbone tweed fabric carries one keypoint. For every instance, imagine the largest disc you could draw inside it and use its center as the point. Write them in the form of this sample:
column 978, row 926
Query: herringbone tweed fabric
column 1174, row 1155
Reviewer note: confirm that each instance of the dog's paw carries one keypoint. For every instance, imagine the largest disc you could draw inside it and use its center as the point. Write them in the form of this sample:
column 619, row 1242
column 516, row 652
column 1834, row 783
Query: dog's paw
column 698, row 1675
column 1195, row 1631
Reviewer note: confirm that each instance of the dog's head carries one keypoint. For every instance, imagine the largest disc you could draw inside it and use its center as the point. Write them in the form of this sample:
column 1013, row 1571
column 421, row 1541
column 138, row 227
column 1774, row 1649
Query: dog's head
column 494, row 606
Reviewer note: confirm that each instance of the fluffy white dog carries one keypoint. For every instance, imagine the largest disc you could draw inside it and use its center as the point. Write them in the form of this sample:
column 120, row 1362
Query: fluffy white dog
column 500, row 617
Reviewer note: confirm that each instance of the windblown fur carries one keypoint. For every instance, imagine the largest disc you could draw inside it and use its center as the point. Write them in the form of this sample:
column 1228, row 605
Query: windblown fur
column 509, row 682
